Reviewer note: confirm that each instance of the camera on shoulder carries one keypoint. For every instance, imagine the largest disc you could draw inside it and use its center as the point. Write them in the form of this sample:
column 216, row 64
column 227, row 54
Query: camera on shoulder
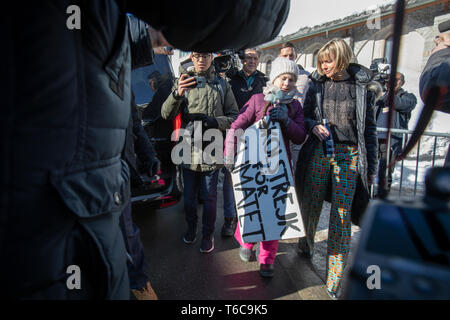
column 404, row 246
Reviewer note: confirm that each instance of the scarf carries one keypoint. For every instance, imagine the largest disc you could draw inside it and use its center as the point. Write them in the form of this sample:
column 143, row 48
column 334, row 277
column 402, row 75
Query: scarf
column 275, row 95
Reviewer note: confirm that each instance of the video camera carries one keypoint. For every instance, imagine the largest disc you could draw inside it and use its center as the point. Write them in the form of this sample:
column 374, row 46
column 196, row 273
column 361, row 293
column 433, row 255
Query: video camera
column 228, row 59
column 381, row 71
column 404, row 249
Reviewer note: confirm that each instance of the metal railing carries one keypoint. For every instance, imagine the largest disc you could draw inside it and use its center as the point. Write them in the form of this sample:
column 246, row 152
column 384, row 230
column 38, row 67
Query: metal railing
column 405, row 135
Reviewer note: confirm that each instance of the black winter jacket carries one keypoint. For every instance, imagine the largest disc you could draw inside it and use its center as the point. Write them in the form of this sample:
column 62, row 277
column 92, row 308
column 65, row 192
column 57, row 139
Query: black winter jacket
column 65, row 108
column 63, row 182
column 137, row 146
column 240, row 90
column 436, row 74
column 404, row 103
column 366, row 129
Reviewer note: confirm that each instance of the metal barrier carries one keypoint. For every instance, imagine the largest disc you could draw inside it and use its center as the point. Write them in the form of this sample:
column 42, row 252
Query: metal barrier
column 405, row 134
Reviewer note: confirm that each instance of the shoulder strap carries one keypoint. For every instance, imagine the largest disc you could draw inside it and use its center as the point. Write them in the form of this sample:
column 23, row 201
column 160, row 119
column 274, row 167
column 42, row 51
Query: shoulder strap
column 222, row 89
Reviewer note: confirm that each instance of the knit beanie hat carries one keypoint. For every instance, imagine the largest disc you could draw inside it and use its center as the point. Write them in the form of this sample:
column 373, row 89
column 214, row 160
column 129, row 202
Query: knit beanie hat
column 282, row 65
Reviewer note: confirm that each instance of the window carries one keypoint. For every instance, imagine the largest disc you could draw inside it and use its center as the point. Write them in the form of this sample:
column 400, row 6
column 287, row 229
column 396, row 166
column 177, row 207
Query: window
column 388, row 49
column 314, row 62
column 183, row 54
column 268, row 66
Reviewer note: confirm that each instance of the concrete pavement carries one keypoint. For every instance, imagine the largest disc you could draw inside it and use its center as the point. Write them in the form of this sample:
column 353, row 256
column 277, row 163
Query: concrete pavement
column 180, row 272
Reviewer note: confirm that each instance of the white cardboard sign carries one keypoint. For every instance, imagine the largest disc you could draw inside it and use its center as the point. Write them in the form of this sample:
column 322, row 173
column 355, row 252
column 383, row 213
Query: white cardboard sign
column 265, row 197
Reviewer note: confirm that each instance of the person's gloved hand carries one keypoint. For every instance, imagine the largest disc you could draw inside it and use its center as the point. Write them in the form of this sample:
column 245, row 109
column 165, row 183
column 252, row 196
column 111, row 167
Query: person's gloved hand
column 280, row 114
column 210, row 123
column 189, row 117
column 153, row 166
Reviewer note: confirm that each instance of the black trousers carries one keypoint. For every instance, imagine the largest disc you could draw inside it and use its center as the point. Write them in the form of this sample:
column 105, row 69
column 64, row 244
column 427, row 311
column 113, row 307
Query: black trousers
column 137, row 266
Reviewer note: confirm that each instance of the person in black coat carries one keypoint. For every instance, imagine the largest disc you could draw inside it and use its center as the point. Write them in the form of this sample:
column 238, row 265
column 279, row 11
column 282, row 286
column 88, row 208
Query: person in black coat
column 249, row 80
column 338, row 92
column 137, row 146
column 65, row 108
column 436, row 73
column 404, row 104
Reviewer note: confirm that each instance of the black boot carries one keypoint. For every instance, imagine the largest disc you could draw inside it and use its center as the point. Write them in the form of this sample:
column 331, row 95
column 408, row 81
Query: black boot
column 191, row 235
column 229, row 227
column 266, row 270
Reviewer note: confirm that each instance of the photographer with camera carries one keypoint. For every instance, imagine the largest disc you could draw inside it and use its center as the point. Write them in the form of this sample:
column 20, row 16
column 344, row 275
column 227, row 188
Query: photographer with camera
column 201, row 95
column 249, row 80
column 404, row 104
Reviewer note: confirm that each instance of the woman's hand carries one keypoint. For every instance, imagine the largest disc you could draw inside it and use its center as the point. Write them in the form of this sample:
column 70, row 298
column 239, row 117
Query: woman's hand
column 321, row 132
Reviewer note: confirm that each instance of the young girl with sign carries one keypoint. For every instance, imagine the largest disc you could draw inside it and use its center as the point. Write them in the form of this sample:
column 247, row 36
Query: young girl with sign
column 278, row 101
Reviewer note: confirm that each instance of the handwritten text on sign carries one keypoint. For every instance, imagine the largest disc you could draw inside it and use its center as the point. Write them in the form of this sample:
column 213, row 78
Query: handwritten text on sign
column 266, row 201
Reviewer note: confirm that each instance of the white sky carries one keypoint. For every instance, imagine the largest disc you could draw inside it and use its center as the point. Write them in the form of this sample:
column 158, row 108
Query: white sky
column 308, row 13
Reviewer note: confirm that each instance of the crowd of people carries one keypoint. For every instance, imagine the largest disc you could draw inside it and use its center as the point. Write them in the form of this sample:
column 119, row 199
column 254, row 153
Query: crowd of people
column 341, row 92
column 70, row 139
column 299, row 102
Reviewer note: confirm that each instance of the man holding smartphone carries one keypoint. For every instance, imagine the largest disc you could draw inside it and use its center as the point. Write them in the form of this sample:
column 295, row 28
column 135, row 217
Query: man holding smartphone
column 203, row 98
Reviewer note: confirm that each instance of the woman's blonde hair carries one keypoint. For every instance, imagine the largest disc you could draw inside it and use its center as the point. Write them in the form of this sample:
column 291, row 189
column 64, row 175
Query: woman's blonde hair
column 340, row 50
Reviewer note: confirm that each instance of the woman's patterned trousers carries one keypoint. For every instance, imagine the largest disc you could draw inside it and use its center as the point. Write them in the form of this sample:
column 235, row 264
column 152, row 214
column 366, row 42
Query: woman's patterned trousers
column 343, row 172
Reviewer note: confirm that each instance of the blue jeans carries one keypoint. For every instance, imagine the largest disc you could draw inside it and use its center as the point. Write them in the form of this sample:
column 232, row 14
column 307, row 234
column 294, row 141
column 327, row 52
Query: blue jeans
column 229, row 209
column 135, row 250
column 206, row 183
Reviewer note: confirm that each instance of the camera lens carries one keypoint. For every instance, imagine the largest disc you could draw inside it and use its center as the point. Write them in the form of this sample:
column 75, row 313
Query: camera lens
column 222, row 63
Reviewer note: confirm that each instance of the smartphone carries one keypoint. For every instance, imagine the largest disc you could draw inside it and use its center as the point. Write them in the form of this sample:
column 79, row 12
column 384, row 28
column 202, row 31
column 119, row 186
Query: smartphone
column 200, row 82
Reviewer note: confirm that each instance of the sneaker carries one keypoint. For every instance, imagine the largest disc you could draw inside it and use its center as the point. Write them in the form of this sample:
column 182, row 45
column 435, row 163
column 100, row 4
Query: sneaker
column 332, row 295
column 229, row 227
column 207, row 245
column 145, row 293
column 246, row 254
column 266, row 270
column 190, row 236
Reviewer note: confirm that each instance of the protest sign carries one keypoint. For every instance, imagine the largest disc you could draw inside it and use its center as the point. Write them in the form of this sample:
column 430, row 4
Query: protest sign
column 265, row 197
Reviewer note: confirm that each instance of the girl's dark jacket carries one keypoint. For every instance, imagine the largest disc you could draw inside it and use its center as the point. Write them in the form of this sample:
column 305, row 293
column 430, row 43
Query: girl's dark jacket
column 366, row 129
